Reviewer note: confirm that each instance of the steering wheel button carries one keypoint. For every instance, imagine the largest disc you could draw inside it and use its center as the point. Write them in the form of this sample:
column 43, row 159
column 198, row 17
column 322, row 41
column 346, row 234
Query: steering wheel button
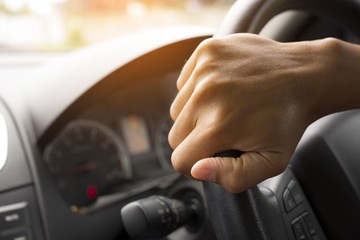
column 299, row 229
column 289, row 202
column 315, row 237
column 309, row 223
column 295, row 192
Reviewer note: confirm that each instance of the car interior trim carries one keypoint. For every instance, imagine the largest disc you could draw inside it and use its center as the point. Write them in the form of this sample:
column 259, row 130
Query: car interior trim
column 3, row 141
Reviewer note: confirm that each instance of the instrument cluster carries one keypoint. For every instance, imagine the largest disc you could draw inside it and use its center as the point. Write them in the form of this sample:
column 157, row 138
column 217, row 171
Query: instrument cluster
column 114, row 145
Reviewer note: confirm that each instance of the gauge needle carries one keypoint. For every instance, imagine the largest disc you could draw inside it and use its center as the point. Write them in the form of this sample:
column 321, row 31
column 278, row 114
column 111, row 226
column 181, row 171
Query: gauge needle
column 80, row 168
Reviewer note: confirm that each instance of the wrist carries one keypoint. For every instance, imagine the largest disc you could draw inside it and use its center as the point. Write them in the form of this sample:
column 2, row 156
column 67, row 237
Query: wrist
column 333, row 82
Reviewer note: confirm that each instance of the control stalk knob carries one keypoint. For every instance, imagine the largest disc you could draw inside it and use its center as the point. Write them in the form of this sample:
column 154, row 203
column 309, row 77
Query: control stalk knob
column 155, row 216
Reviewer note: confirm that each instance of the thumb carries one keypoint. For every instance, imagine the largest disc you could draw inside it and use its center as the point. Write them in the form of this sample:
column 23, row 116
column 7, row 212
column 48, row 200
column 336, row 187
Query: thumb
column 238, row 174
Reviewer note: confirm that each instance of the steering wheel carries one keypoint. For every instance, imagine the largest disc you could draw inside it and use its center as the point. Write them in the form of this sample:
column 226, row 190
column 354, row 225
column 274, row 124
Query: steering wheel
column 256, row 213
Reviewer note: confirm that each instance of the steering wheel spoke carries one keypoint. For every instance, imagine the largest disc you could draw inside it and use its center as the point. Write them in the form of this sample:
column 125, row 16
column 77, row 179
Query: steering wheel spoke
column 231, row 213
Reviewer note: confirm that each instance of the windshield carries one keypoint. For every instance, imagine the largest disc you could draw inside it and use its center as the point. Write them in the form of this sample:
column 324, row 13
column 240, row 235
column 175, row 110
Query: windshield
column 47, row 25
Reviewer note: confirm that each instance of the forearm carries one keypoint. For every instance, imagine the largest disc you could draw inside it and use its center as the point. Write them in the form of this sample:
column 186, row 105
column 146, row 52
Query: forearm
column 338, row 81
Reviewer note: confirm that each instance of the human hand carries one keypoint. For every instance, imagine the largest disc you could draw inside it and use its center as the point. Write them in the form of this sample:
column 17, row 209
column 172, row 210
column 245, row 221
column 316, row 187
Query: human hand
column 247, row 93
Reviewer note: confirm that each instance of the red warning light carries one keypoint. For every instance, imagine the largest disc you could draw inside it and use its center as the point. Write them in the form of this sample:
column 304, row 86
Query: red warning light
column 92, row 191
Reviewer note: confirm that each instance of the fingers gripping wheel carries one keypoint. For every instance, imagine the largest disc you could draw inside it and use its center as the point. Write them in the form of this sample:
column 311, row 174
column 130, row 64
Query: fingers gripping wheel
column 255, row 213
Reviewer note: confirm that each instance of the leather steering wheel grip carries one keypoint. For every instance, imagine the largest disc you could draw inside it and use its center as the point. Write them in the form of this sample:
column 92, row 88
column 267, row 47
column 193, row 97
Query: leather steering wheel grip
column 255, row 214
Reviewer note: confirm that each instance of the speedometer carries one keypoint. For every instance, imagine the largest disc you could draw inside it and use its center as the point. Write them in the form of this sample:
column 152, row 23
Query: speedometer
column 87, row 159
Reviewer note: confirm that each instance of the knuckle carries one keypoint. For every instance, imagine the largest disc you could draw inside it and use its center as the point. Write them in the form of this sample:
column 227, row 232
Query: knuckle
column 331, row 45
column 179, row 82
column 205, row 44
column 207, row 67
column 172, row 139
column 174, row 111
column 332, row 42
column 206, row 86
column 175, row 164
column 209, row 46
column 178, row 165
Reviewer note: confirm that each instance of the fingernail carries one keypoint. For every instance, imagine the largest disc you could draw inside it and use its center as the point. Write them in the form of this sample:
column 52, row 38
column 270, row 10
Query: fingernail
column 201, row 172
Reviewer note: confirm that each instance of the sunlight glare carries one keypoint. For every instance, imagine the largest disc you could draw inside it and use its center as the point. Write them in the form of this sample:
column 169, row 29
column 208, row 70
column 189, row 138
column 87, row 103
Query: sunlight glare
column 136, row 10
column 14, row 5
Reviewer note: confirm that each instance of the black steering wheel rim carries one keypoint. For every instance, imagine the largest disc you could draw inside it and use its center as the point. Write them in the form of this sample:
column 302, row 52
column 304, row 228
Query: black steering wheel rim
column 252, row 15
column 255, row 214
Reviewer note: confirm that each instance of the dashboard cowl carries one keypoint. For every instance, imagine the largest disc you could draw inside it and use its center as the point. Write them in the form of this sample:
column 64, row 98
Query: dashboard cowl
column 58, row 84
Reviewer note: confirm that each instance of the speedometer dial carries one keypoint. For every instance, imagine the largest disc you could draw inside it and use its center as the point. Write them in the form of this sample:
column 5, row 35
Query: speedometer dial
column 87, row 160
